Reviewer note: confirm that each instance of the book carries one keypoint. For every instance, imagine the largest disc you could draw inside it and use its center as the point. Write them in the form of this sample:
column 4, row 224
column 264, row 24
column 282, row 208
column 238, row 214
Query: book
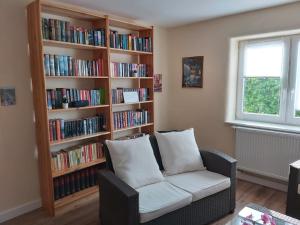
column 63, row 65
column 130, row 42
column 60, row 30
column 118, row 95
column 130, row 118
column 128, row 70
column 61, row 129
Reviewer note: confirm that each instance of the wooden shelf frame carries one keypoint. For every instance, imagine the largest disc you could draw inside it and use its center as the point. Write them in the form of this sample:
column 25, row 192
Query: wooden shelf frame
column 40, row 83
column 78, row 108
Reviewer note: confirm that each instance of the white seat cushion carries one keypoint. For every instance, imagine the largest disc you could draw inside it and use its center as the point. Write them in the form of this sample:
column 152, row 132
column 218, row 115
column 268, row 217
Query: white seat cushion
column 200, row 183
column 159, row 199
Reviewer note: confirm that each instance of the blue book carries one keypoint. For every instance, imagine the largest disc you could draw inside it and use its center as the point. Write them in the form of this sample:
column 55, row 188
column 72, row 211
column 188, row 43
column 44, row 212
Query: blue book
column 57, row 65
column 46, row 65
column 61, row 65
column 52, row 67
column 66, row 66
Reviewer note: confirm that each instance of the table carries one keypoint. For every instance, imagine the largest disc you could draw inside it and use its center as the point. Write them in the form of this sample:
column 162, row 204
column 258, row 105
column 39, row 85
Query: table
column 252, row 214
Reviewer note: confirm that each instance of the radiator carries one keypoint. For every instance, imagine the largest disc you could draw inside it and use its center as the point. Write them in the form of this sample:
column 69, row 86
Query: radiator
column 267, row 153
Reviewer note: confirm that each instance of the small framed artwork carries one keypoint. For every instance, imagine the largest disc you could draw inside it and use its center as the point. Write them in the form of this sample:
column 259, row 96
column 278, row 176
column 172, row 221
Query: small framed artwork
column 157, row 82
column 192, row 72
column 7, row 96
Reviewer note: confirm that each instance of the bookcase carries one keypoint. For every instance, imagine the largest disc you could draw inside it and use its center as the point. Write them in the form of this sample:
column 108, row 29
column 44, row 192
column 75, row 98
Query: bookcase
column 70, row 128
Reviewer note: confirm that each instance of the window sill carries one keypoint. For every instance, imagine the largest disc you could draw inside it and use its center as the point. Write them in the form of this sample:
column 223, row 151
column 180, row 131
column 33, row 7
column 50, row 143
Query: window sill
column 265, row 126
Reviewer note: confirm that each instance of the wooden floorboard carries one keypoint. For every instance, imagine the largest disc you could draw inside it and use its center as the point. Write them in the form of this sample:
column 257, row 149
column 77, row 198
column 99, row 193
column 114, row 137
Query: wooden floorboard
column 85, row 212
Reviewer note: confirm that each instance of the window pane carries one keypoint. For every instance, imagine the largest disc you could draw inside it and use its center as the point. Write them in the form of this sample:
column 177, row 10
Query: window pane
column 262, row 95
column 264, row 59
column 297, row 89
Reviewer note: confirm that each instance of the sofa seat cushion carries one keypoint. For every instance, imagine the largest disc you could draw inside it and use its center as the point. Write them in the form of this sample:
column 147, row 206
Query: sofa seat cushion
column 159, row 199
column 200, row 183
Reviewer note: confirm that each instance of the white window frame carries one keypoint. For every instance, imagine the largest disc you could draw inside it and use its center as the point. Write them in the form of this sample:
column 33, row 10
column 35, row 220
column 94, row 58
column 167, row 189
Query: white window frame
column 281, row 118
column 290, row 118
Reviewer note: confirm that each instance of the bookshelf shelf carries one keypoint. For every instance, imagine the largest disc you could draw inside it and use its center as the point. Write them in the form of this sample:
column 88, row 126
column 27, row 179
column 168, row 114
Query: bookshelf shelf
column 133, row 103
column 80, row 167
column 45, row 15
column 63, row 44
column 75, row 77
column 131, row 52
column 133, row 78
column 135, row 127
column 76, row 109
column 79, row 138
column 74, row 197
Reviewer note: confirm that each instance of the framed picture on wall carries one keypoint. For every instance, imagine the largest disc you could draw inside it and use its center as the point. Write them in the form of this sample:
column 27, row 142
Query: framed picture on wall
column 192, row 72
column 157, row 82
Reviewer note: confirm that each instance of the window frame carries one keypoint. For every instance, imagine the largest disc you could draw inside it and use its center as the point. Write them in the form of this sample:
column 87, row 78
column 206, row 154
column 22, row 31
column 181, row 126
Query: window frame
column 295, row 44
column 281, row 117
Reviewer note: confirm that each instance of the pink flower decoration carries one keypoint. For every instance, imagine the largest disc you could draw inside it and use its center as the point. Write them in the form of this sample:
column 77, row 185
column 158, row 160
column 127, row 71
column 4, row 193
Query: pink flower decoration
column 250, row 216
column 273, row 222
column 266, row 218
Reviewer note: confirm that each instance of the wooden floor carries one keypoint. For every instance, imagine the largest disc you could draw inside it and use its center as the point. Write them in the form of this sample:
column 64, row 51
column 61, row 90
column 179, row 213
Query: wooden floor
column 85, row 212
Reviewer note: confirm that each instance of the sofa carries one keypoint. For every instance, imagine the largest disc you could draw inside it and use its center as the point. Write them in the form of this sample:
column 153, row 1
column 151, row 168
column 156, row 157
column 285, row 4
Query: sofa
column 197, row 197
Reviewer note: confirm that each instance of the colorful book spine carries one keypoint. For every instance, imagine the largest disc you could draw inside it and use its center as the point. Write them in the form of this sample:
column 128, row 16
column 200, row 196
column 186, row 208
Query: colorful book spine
column 62, row 65
column 130, row 118
column 128, row 70
column 76, row 155
column 59, row 30
column 130, row 42
column 74, row 182
column 117, row 94
column 60, row 129
column 55, row 96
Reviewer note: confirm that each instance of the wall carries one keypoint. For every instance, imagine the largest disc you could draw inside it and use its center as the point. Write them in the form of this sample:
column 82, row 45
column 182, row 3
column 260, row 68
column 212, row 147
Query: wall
column 204, row 108
column 18, row 167
column 19, row 189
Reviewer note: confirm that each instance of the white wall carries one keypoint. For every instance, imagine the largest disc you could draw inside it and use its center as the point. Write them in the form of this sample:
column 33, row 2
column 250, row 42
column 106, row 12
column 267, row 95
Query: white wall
column 18, row 167
column 204, row 108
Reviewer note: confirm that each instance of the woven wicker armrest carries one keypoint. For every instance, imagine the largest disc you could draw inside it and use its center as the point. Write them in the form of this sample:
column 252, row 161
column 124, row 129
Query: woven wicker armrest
column 118, row 201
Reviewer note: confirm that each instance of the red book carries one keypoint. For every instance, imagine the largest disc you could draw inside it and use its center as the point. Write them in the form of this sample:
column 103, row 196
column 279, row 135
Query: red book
column 58, row 130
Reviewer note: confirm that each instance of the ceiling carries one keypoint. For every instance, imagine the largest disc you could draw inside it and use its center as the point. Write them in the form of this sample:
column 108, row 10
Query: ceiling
column 170, row 13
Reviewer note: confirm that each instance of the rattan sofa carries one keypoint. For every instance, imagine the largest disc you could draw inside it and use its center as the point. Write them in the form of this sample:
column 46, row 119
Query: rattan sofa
column 119, row 203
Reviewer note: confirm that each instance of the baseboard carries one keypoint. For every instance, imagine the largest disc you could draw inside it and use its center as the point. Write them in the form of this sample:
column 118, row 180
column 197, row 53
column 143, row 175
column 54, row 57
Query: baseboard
column 262, row 180
column 19, row 210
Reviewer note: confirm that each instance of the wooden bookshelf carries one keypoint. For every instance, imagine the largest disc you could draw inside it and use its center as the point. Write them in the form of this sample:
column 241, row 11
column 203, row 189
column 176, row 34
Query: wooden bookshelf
column 75, row 77
column 62, row 44
column 38, row 47
column 134, row 127
column 79, row 138
column 76, row 168
column 76, row 109
column 133, row 103
column 76, row 196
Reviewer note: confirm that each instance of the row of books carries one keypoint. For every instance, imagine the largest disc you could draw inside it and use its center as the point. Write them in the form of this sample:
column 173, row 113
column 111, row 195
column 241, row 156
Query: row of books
column 117, row 94
column 60, row 129
column 131, row 136
column 55, row 97
column 128, row 70
column 130, row 118
column 76, row 155
column 60, row 30
column 74, row 182
column 63, row 65
column 130, row 42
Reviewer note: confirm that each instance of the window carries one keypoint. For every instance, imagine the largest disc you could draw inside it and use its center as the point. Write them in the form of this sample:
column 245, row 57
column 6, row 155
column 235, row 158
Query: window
column 269, row 80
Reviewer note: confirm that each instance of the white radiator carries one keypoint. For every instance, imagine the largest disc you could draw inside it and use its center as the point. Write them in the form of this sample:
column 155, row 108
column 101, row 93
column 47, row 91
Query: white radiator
column 267, row 153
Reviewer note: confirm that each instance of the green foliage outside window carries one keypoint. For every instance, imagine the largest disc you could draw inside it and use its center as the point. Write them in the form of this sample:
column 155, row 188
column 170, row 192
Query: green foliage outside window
column 262, row 95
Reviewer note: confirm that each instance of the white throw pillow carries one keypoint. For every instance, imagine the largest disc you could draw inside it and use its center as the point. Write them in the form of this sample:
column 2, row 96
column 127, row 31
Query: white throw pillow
column 179, row 152
column 134, row 161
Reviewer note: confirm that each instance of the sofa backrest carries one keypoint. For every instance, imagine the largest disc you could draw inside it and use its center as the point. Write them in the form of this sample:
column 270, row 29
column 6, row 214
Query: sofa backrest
column 155, row 148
